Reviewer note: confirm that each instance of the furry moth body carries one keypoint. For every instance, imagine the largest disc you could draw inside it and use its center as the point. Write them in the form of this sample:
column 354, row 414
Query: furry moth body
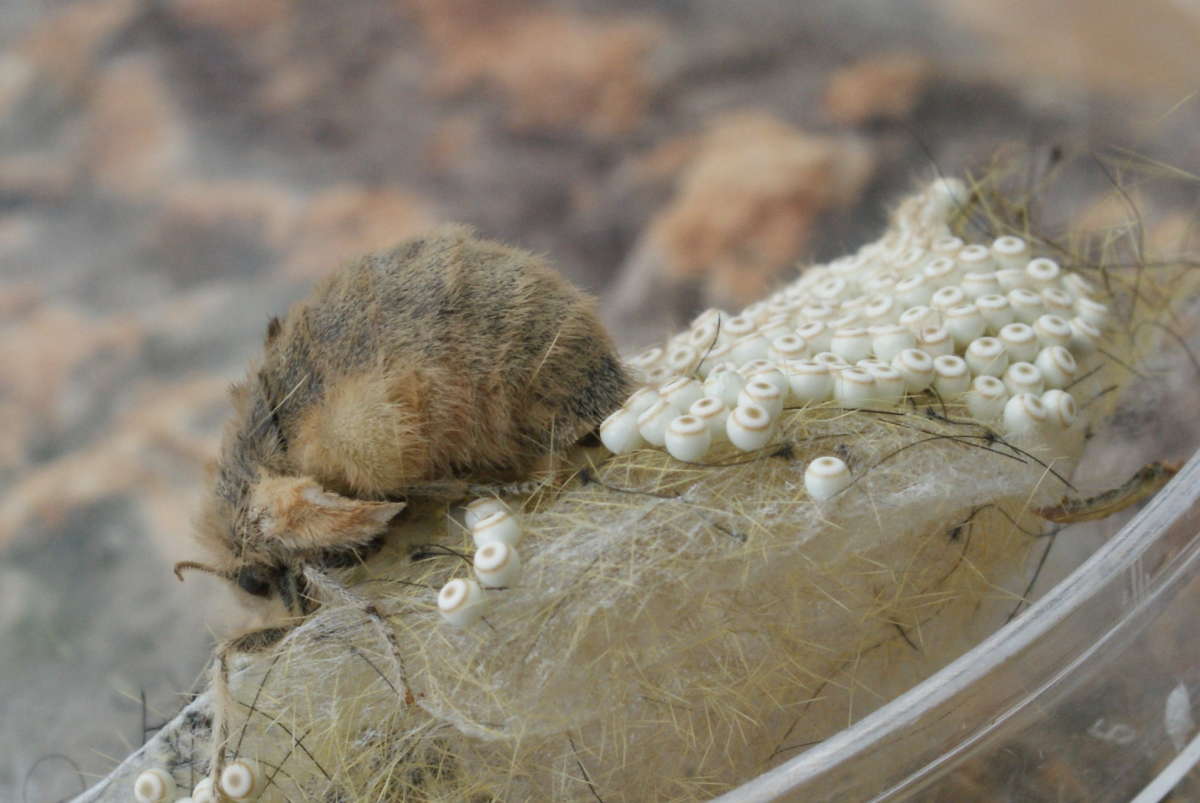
column 446, row 358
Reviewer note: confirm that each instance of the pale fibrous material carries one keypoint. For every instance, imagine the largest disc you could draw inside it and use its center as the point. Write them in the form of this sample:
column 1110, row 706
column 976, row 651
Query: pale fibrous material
column 679, row 626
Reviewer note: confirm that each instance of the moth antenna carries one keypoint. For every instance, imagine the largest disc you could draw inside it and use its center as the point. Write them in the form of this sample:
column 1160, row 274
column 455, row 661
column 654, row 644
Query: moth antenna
column 183, row 565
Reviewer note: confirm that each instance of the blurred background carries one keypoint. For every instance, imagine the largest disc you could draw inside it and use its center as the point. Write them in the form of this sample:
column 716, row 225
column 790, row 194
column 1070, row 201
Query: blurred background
column 173, row 172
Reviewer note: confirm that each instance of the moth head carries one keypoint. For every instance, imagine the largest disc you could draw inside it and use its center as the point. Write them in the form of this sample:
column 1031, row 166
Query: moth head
column 256, row 579
column 265, row 581
column 264, row 533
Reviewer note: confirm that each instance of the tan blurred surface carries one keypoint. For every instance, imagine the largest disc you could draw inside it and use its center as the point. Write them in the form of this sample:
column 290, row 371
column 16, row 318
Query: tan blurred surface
column 1140, row 49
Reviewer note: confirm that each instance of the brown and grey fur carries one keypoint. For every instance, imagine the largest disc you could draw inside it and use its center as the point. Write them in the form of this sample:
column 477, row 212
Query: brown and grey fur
column 446, row 358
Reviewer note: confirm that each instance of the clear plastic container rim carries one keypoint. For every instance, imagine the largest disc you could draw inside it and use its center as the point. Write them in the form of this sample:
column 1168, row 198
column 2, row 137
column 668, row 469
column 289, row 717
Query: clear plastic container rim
column 884, row 727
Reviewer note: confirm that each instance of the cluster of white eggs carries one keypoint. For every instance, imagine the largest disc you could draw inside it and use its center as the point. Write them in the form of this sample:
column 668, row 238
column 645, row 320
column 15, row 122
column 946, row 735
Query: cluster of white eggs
column 496, row 532
column 994, row 326
column 241, row 780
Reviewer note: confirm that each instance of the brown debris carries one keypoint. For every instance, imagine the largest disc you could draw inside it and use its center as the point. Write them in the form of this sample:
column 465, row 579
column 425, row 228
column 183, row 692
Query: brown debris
column 152, row 453
column 230, row 16
column 267, row 36
column 16, row 236
column 259, row 207
column 1113, row 47
column 40, row 353
column 17, row 76
column 312, row 234
column 884, row 87
column 38, row 176
column 17, row 299
column 453, row 140
column 666, row 160
column 348, row 220
column 555, row 70
column 288, row 86
column 64, row 47
column 747, row 202
column 135, row 141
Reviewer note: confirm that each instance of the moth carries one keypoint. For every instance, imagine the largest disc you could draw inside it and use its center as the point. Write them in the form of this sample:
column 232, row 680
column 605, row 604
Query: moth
column 445, row 360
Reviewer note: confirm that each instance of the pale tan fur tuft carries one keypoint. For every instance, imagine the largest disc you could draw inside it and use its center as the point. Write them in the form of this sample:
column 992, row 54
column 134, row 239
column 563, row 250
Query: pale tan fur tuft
column 301, row 515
